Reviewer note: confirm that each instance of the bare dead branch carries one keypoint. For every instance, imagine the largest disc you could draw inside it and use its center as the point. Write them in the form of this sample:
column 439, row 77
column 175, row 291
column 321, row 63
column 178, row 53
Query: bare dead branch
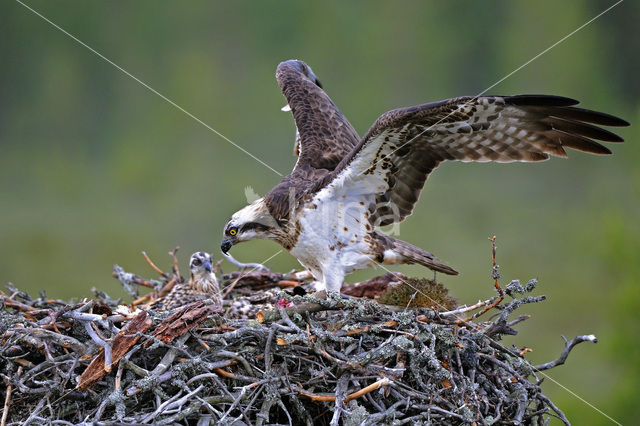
column 568, row 345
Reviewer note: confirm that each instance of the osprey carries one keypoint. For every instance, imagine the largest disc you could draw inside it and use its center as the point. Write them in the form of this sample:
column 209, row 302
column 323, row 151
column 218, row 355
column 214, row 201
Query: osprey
column 202, row 285
column 325, row 213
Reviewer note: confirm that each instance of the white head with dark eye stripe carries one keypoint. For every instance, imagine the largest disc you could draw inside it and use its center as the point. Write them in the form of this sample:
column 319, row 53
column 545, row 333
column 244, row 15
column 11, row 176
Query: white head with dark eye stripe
column 250, row 223
column 202, row 276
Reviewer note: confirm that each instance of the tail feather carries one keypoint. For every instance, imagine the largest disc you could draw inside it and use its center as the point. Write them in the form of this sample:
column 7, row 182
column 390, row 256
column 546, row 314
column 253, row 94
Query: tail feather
column 412, row 254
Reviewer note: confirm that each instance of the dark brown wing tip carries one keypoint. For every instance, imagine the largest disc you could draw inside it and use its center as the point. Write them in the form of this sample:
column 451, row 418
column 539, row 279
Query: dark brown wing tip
column 590, row 116
column 564, row 107
column 540, row 100
column 578, row 134
column 582, row 129
column 571, row 122
column 585, row 144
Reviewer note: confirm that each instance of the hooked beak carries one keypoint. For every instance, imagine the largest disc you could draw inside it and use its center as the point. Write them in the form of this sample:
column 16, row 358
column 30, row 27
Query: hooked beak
column 207, row 266
column 226, row 244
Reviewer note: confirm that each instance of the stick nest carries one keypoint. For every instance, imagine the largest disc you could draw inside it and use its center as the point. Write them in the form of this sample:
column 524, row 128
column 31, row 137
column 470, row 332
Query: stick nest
column 317, row 361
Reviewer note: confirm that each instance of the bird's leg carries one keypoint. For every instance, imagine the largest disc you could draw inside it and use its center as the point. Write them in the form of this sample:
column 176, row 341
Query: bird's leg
column 318, row 285
column 333, row 281
column 241, row 265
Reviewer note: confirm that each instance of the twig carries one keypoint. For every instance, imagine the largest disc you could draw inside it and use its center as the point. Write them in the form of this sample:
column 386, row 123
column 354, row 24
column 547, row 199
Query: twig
column 105, row 345
column 154, row 267
column 87, row 317
column 162, row 366
column 340, row 396
column 37, row 336
column 35, row 411
column 231, row 287
column 173, row 403
column 127, row 279
column 288, row 283
column 463, row 309
column 7, row 398
column 274, row 315
column 558, row 412
column 331, row 398
column 494, row 272
column 565, row 352
column 175, row 269
column 241, row 394
column 8, row 301
column 155, row 295
column 495, row 275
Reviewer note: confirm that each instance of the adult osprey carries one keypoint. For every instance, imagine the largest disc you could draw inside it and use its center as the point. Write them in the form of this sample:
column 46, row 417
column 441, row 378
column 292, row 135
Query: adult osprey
column 326, row 211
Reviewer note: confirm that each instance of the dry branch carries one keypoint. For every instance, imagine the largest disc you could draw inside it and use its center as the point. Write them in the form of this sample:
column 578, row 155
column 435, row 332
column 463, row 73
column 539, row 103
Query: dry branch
column 565, row 352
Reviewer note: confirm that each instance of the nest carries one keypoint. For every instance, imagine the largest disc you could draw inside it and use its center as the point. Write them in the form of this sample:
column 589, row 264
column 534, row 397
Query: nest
column 318, row 361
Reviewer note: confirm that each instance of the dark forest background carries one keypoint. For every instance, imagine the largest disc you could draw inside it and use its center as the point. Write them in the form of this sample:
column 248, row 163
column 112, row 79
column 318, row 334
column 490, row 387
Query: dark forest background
column 95, row 168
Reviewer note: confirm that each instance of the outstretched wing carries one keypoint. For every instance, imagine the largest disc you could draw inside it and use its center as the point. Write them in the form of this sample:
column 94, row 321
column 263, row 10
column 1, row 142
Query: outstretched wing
column 324, row 136
column 389, row 166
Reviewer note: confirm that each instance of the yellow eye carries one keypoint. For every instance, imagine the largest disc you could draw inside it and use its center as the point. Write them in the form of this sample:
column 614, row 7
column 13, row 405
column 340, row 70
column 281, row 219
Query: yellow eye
column 233, row 231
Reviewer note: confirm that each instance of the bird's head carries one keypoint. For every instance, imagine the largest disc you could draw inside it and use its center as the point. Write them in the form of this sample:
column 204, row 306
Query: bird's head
column 201, row 266
column 303, row 68
column 308, row 72
column 201, row 263
column 250, row 223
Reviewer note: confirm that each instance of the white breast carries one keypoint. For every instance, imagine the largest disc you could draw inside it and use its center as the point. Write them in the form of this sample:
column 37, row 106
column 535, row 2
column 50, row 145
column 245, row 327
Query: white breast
column 333, row 231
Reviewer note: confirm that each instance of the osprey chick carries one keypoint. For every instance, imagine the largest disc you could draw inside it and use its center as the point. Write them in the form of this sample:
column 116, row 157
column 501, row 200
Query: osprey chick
column 325, row 213
column 202, row 284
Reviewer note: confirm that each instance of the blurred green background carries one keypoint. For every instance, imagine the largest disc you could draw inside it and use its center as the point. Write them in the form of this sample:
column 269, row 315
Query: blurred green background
column 95, row 168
